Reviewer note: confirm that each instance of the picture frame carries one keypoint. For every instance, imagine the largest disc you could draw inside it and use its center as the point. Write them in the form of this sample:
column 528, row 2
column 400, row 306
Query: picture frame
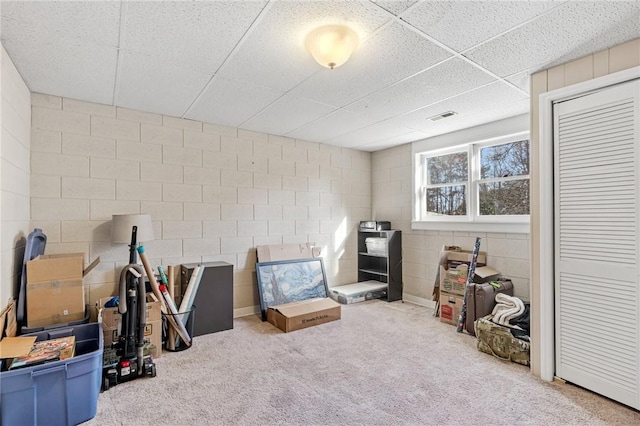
column 293, row 280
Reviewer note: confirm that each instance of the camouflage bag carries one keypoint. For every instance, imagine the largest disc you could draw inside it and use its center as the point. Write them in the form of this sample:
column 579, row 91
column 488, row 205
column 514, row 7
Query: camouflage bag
column 498, row 341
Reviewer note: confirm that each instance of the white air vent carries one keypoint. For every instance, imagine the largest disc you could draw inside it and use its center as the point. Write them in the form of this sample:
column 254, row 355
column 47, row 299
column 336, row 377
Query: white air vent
column 442, row 115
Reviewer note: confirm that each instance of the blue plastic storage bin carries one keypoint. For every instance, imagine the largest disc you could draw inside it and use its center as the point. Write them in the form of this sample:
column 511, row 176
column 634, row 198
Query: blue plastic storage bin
column 60, row 392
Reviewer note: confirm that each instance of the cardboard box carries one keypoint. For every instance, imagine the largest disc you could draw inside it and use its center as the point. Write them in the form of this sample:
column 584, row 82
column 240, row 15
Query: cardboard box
column 303, row 314
column 272, row 253
column 55, row 293
column 485, row 274
column 112, row 325
column 460, row 257
column 453, row 280
column 450, row 305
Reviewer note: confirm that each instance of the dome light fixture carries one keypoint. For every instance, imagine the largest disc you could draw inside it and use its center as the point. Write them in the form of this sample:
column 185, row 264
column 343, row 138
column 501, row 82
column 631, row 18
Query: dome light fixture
column 331, row 45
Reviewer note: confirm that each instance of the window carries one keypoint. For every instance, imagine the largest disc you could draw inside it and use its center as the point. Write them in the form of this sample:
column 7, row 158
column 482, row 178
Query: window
column 503, row 187
column 481, row 182
column 446, row 186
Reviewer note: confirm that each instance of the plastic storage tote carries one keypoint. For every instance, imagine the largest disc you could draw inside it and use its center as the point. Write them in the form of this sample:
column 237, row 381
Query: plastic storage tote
column 377, row 246
column 60, row 392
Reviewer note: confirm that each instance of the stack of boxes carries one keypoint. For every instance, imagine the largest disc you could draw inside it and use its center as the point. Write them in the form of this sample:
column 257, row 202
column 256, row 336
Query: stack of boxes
column 453, row 278
column 112, row 325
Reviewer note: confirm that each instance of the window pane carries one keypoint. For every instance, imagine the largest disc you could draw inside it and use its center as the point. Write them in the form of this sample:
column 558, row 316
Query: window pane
column 447, row 200
column 504, row 198
column 510, row 159
column 450, row 168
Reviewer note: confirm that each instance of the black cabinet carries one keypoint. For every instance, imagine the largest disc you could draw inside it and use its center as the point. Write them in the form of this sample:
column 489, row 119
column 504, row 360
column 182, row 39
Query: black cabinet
column 214, row 299
column 384, row 265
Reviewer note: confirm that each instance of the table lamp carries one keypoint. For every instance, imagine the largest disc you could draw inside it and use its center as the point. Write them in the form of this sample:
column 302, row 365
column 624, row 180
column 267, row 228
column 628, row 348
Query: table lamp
column 131, row 228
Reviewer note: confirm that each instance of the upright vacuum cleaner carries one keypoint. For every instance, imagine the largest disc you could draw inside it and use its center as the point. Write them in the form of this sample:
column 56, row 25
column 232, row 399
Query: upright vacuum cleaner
column 131, row 362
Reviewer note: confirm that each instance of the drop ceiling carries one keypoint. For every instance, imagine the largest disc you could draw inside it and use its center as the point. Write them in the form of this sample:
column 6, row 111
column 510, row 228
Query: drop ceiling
column 243, row 63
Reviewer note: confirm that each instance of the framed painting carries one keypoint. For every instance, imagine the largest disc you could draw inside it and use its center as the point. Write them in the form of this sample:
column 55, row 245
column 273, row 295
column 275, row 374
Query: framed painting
column 286, row 281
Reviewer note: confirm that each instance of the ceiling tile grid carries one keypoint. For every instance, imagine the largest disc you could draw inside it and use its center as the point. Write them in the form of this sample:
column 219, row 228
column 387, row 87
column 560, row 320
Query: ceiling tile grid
column 456, row 23
column 231, row 102
column 44, row 65
column 369, row 135
column 395, row 6
column 199, row 35
column 274, row 54
column 295, row 111
column 451, row 78
column 243, row 63
column 331, row 125
column 487, row 98
column 149, row 84
column 386, row 58
column 574, row 30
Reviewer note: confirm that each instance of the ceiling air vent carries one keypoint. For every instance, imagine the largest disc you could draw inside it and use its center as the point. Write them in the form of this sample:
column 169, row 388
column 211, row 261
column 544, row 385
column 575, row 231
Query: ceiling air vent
column 442, row 115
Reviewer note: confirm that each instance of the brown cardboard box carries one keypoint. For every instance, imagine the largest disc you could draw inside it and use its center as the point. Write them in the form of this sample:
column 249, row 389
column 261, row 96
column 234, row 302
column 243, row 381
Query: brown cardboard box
column 459, row 257
column 55, row 293
column 453, row 280
column 112, row 324
column 450, row 305
column 303, row 314
column 272, row 253
column 485, row 274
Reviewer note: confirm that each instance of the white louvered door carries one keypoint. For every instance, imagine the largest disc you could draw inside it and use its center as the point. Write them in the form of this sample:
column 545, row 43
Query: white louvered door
column 597, row 252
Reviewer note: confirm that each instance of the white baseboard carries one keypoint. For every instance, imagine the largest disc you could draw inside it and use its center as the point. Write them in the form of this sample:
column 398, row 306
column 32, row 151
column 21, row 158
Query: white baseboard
column 245, row 312
column 420, row 301
column 255, row 310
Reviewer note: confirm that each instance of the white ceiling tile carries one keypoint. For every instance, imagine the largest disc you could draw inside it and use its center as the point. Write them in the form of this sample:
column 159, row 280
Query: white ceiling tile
column 274, row 54
column 395, row 6
column 95, row 21
column 392, row 141
column 334, row 124
column 520, row 80
column 479, row 117
column 463, row 24
column 286, row 114
column 148, row 84
column 575, row 30
column 386, row 58
column 443, row 81
column 189, row 34
column 369, row 135
column 488, row 98
column 44, row 66
column 170, row 50
column 231, row 103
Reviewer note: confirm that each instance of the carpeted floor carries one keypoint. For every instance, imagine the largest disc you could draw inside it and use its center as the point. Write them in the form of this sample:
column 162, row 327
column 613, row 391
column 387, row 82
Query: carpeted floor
column 381, row 364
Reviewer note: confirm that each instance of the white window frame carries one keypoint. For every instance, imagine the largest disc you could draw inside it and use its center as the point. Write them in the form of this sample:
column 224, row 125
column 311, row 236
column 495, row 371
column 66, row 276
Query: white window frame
column 473, row 221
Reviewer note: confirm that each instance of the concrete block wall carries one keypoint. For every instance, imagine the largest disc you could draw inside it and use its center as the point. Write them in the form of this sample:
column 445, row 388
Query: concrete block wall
column 392, row 176
column 15, row 137
column 214, row 193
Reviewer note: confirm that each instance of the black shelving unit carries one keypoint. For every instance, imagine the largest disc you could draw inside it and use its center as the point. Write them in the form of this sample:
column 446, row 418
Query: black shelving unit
column 386, row 268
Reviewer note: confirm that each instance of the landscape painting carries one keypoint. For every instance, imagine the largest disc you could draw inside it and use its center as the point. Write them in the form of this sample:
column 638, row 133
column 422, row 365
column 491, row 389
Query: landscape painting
column 288, row 281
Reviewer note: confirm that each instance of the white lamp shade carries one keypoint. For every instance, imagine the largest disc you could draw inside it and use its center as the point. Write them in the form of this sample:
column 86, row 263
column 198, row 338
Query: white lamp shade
column 123, row 223
column 331, row 45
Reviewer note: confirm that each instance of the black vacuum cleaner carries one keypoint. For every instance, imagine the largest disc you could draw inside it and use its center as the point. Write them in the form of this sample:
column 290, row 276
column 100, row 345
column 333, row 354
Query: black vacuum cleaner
column 130, row 362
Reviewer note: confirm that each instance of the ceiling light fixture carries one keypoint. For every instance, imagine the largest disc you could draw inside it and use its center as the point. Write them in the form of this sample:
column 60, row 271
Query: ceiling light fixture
column 331, row 45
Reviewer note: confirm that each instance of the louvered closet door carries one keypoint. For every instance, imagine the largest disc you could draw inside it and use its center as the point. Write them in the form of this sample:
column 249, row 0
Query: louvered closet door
column 597, row 254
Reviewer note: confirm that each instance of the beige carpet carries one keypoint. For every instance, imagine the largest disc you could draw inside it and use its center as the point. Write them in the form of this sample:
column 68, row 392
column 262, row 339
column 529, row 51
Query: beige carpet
column 381, row 364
